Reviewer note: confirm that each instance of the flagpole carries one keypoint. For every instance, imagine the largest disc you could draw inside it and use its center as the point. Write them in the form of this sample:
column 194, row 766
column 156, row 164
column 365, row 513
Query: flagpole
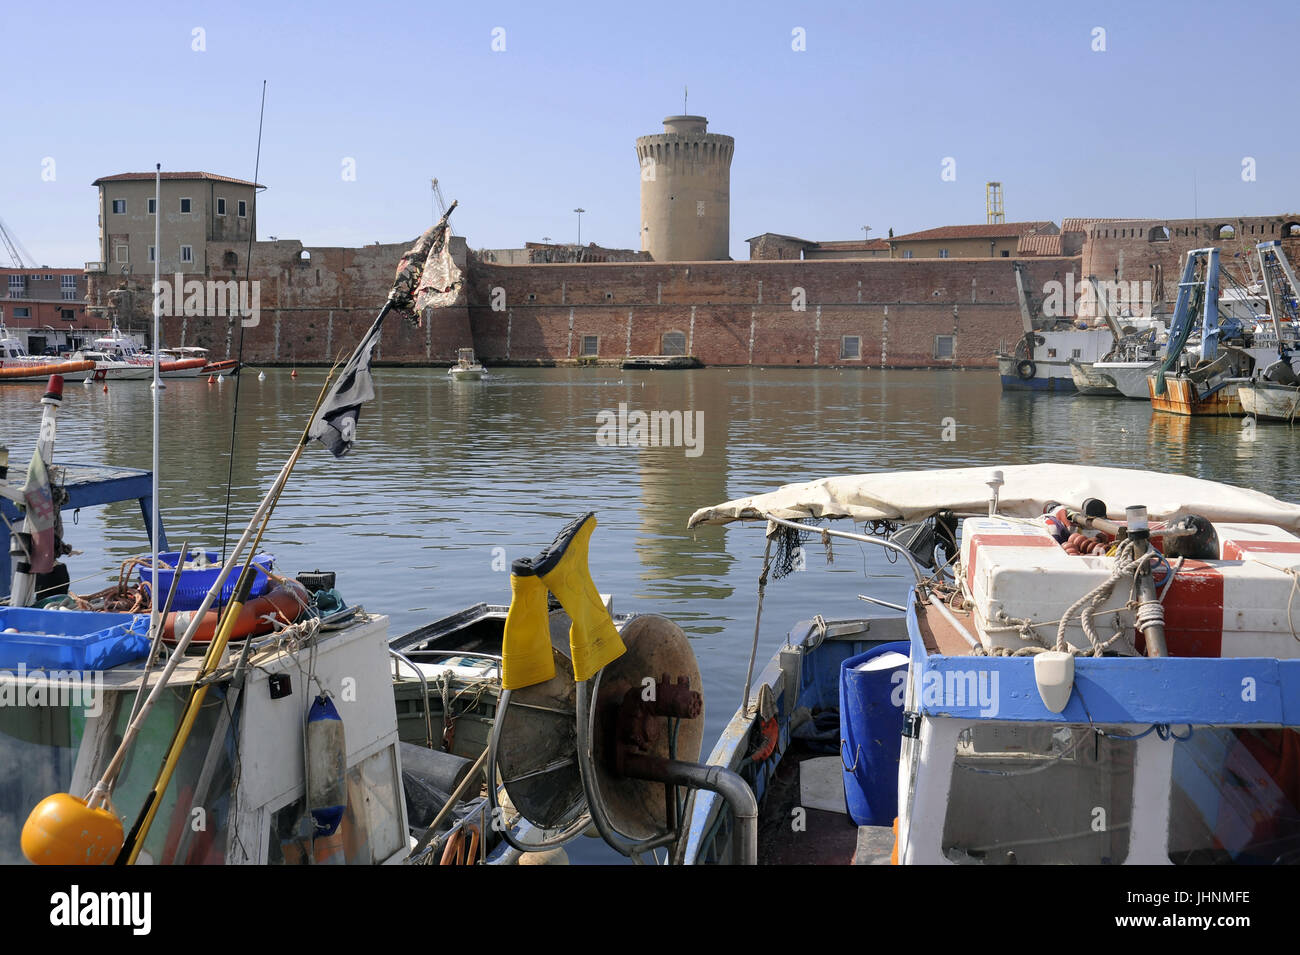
column 154, row 619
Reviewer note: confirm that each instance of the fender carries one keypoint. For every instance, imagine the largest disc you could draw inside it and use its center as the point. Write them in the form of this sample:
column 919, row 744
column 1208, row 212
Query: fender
column 287, row 599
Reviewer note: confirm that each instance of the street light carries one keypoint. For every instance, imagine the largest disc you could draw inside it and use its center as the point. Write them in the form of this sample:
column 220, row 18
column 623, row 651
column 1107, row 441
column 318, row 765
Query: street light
column 866, row 231
column 579, row 212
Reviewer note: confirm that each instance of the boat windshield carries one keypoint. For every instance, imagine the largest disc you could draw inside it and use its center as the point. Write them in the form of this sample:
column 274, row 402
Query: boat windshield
column 1235, row 797
column 38, row 749
column 1039, row 793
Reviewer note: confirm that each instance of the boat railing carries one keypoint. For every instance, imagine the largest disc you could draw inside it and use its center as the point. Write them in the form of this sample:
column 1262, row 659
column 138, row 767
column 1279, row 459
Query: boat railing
column 853, row 536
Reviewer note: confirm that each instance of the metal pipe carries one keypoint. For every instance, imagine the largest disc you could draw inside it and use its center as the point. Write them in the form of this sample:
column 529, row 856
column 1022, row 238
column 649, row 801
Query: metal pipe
column 883, row 603
column 730, row 786
column 956, row 624
column 861, row 538
column 424, row 685
column 587, row 770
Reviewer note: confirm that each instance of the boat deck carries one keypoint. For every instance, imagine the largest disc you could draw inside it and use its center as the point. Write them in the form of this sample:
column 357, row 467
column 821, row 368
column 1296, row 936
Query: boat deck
column 826, row 837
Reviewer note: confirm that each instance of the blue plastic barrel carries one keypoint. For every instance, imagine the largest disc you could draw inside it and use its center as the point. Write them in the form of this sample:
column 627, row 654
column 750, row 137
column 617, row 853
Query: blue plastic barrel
column 871, row 731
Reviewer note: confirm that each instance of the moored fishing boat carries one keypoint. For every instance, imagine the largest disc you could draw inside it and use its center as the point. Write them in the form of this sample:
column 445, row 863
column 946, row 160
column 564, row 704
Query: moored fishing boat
column 1232, row 351
column 1081, row 698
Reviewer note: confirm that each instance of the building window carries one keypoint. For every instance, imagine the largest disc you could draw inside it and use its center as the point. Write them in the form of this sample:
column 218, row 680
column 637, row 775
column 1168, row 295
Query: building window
column 590, row 345
column 67, row 315
column 1006, row 253
column 187, row 253
column 119, row 206
column 120, row 253
column 17, row 286
column 221, row 205
column 243, row 209
column 672, row 343
column 153, row 206
column 185, row 206
column 851, row 348
column 943, row 346
column 152, row 257
column 907, row 253
column 943, row 253
column 23, row 312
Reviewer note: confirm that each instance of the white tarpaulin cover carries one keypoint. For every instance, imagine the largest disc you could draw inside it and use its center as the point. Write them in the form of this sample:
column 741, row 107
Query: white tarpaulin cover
column 914, row 495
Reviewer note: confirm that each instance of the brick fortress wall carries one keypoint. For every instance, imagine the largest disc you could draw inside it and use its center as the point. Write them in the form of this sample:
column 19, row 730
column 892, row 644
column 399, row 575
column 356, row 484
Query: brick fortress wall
column 757, row 312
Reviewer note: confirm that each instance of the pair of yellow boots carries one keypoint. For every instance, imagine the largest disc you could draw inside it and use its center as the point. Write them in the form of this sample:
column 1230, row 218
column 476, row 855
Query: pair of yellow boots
column 562, row 569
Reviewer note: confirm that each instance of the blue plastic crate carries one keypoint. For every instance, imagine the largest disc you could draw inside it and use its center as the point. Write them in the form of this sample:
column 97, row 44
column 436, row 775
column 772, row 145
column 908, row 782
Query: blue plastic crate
column 71, row 639
column 195, row 584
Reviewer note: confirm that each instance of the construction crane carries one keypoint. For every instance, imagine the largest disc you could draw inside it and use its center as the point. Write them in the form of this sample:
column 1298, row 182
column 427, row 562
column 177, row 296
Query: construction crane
column 20, row 257
column 441, row 203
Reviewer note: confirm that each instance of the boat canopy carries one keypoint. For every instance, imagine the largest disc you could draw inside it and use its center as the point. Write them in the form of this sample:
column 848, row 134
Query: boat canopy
column 1028, row 489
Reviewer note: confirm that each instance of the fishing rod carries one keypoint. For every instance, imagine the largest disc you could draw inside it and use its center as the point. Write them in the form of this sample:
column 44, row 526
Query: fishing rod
column 134, row 841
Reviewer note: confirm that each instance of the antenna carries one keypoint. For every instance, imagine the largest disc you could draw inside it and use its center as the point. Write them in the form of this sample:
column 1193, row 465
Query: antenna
column 685, row 93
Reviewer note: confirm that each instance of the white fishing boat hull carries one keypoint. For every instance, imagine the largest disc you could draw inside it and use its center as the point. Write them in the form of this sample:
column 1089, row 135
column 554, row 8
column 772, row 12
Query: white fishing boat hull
column 1129, row 378
column 466, row 374
column 1269, row 401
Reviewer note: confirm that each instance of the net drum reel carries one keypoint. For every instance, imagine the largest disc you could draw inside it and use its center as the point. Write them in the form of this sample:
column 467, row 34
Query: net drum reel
column 617, row 751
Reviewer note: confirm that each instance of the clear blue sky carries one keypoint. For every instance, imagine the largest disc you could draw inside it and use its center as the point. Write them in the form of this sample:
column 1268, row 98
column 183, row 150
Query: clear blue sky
column 850, row 132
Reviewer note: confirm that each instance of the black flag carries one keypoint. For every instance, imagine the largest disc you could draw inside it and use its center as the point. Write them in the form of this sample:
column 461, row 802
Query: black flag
column 335, row 424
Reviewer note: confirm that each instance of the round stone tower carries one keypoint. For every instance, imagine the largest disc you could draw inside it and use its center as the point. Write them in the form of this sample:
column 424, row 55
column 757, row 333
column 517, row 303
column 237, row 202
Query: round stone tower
column 685, row 191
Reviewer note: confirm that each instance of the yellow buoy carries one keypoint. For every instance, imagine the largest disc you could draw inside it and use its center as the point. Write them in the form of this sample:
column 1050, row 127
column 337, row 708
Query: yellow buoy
column 63, row 830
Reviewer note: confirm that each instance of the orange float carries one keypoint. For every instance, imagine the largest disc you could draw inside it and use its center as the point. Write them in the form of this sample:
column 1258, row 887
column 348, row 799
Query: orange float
column 285, row 600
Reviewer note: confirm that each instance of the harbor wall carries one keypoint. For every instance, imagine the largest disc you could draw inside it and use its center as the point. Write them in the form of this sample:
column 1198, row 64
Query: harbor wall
column 904, row 313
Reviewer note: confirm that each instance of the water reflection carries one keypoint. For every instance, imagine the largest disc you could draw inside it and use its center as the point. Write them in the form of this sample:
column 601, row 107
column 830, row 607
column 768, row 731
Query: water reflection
column 452, row 480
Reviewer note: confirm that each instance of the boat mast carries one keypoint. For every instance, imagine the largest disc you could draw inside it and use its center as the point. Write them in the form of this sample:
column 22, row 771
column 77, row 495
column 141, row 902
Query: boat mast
column 157, row 309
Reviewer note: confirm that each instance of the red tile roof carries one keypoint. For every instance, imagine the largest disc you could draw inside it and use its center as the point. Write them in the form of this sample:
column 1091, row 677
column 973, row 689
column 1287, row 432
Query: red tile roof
column 1036, row 243
column 1001, row 230
column 1081, row 225
column 131, row 176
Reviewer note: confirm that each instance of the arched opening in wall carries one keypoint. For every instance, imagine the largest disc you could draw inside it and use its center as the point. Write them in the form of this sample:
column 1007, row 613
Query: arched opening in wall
column 1224, row 231
column 304, row 258
column 672, row 343
column 1291, row 230
column 1158, row 234
column 230, row 260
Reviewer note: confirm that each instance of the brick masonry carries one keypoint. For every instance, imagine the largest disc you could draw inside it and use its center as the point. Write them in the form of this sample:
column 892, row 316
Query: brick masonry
column 316, row 303
column 792, row 313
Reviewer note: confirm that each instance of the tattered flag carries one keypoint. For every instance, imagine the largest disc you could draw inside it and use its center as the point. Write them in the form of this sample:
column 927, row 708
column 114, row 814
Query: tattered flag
column 335, row 424
column 425, row 276
column 40, row 514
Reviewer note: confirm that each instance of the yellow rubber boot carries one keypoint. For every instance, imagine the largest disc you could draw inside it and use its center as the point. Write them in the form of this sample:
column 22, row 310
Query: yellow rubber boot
column 526, row 656
column 563, row 568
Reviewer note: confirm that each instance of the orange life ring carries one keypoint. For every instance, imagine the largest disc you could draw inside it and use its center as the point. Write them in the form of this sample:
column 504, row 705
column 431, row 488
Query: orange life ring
column 287, row 600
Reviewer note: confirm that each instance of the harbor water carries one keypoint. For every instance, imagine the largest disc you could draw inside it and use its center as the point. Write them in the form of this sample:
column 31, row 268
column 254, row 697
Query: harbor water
column 450, row 481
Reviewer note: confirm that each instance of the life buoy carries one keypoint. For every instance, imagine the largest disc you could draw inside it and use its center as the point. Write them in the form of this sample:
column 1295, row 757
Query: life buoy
column 287, row 600
column 1026, row 369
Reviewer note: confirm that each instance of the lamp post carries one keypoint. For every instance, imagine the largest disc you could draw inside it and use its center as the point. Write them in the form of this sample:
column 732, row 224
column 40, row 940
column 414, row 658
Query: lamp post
column 579, row 212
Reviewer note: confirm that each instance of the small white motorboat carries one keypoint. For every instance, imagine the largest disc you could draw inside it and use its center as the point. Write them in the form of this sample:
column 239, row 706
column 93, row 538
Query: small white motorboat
column 467, row 367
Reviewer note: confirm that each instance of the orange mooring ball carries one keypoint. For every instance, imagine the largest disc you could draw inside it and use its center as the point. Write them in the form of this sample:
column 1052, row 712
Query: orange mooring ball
column 63, row 830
